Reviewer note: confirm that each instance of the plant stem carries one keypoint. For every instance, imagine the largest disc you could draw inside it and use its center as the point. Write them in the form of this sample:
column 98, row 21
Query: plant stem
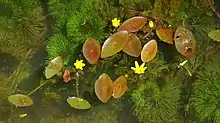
column 77, row 84
column 37, row 88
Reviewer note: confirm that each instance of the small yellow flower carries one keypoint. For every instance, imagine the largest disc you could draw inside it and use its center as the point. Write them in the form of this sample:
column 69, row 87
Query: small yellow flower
column 115, row 22
column 126, row 75
column 139, row 69
column 79, row 64
column 151, row 24
column 22, row 115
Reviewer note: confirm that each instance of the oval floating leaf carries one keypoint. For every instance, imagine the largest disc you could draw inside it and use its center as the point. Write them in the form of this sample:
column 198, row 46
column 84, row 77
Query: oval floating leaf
column 91, row 50
column 54, row 67
column 165, row 34
column 20, row 100
column 185, row 42
column 133, row 46
column 78, row 103
column 114, row 44
column 133, row 24
column 103, row 87
column 214, row 35
column 149, row 51
column 119, row 87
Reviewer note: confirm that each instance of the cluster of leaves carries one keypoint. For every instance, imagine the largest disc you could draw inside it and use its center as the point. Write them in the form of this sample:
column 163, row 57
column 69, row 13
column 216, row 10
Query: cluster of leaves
column 156, row 103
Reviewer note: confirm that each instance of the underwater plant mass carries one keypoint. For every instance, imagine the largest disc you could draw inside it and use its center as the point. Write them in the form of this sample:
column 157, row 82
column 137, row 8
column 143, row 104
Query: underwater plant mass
column 109, row 61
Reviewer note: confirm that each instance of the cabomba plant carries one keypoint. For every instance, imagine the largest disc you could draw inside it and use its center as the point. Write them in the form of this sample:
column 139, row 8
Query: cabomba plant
column 153, row 104
column 206, row 96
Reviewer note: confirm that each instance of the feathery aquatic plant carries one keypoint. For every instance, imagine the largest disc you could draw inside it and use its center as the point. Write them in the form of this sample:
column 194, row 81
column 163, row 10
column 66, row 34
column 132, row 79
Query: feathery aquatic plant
column 156, row 105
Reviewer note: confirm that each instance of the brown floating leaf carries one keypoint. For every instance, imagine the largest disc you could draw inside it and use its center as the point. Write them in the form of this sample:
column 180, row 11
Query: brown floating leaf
column 133, row 24
column 20, row 100
column 165, row 34
column 119, row 87
column 91, row 50
column 114, row 44
column 185, row 42
column 133, row 46
column 149, row 51
column 103, row 87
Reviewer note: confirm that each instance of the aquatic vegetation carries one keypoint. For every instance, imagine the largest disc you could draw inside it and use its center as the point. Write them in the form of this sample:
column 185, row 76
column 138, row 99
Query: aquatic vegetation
column 154, row 104
column 133, row 46
column 133, row 24
column 79, row 64
column 20, row 100
column 115, row 22
column 149, row 51
column 91, row 50
column 119, row 87
column 78, row 103
column 139, row 69
column 185, row 42
column 54, row 67
column 58, row 45
column 103, row 87
column 114, row 44
column 205, row 98
column 215, row 35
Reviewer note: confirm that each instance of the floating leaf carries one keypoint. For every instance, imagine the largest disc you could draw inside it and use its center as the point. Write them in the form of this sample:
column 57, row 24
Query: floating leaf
column 149, row 51
column 103, row 87
column 91, row 50
column 119, row 87
column 78, row 103
column 185, row 42
column 54, row 67
column 165, row 34
column 114, row 44
column 20, row 100
column 133, row 24
column 133, row 46
column 214, row 35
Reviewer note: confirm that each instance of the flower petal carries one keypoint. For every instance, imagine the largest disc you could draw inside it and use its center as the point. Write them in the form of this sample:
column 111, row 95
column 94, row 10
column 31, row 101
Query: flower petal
column 136, row 64
column 142, row 65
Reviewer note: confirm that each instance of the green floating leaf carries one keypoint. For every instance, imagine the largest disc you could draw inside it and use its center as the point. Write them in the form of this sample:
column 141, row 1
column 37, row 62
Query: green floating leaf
column 133, row 46
column 103, row 87
column 133, row 24
column 91, row 50
column 114, row 44
column 215, row 35
column 149, row 51
column 20, row 100
column 78, row 103
column 54, row 67
column 165, row 34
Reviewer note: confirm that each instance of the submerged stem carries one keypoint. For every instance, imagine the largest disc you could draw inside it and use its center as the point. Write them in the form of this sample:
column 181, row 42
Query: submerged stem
column 37, row 88
column 77, row 84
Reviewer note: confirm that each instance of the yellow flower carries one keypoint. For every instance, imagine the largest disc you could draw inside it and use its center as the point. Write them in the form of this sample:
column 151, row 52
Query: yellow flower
column 115, row 22
column 139, row 69
column 79, row 64
column 151, row 24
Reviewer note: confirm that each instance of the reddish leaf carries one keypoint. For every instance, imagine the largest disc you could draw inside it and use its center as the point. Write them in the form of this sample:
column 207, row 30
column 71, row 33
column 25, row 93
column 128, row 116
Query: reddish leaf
column 91, row 50
column 165, row 34
column 103, row 87
column 133, row 46
column 185, row 42
column 66, row 76
column 119, row 87
column 114, row 44
column 133, row 24
column 149, row 51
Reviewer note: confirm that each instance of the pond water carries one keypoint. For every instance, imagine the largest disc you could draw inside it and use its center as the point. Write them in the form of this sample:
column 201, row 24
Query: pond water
column 109, row 61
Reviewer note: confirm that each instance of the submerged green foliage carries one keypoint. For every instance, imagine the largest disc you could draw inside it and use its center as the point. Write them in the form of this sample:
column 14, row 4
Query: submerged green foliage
column 156, row 105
